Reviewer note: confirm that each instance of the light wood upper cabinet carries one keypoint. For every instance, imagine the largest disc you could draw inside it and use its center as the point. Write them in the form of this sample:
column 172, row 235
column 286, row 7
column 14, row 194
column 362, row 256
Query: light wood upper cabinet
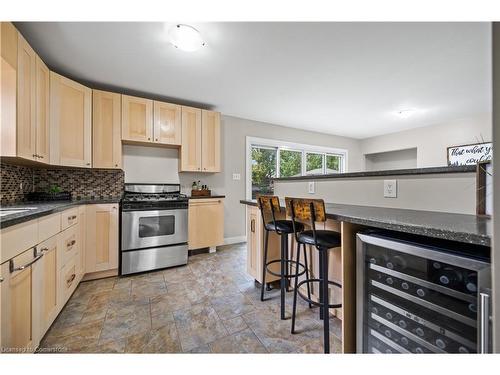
column 137, row 119
column 42, row 111
column 106, row 130
column 200, row 148
column 101, row 253
column 26, row 100
column 70, row 122
column 167, row 123
column 205, row 223
column 46, row 299
column 210, row 141
column 191, row 140
column 8, row 89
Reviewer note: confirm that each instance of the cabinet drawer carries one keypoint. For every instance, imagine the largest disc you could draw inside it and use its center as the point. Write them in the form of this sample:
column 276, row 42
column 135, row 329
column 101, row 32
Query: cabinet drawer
column 48, row 226
column 68, row 280
column 70, row 244
column 18, row 238
column 69, row 218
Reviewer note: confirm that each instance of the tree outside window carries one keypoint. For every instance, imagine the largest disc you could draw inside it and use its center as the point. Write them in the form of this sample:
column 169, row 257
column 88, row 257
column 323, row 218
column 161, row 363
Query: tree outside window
column 290, row 163
column 314, row 163
column 263, row 170
column 333, row 163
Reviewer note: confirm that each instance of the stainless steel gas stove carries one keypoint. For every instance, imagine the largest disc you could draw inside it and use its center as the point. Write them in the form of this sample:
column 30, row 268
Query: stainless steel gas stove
column 154, row 223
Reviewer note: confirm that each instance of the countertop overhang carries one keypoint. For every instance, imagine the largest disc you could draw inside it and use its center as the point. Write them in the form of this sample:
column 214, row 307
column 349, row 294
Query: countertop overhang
column 448, row 226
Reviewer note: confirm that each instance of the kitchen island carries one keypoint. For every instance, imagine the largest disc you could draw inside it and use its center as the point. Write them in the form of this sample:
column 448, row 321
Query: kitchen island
column 349, row 220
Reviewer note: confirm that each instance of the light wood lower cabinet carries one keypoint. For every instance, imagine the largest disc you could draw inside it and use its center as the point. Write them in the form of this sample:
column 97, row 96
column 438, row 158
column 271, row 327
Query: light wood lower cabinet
column 205, row 223
column 255, row 246
column 70, row 122
column 101, row 253
column 106, row 130
column 18, row 331
column 46, row 273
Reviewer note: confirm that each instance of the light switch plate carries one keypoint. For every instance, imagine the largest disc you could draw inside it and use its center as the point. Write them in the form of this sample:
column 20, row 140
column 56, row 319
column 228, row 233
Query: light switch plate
column 312, row 187
column 390, row 188
column 236, row 176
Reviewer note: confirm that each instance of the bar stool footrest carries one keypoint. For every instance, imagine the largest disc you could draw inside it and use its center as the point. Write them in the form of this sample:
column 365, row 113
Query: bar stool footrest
column 288, row 262
column 317, row 303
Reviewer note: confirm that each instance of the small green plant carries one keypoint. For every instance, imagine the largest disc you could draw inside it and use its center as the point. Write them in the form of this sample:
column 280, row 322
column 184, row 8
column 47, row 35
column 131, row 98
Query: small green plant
column 54, row 189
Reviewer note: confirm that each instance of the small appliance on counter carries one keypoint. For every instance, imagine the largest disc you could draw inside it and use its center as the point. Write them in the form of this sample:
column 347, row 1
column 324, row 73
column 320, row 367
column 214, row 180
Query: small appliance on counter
column 421, row 295
column 154, row 227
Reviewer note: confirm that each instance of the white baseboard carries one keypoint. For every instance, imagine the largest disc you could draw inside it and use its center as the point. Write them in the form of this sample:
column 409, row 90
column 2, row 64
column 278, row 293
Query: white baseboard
column 233, row 240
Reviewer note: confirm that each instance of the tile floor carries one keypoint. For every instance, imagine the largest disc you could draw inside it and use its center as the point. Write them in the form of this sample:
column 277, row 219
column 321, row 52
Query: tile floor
column 209, row 306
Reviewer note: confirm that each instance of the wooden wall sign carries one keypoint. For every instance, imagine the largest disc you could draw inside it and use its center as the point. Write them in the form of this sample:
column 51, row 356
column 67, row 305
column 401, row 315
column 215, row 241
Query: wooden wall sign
column 469, row 154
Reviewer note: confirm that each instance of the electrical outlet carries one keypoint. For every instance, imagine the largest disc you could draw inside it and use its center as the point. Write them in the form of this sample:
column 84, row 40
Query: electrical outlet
column 390, row 188
column 236, row 176
column 312, row 187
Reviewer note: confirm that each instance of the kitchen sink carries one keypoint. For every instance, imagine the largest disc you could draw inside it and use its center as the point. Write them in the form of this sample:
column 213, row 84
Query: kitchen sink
column 12, row 211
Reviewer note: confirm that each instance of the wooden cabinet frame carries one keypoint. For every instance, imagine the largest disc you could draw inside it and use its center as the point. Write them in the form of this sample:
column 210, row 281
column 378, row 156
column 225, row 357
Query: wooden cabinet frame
column 106, row 130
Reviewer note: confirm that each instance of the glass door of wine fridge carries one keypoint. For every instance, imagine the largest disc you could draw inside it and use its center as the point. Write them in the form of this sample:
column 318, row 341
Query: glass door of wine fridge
column 417, row 295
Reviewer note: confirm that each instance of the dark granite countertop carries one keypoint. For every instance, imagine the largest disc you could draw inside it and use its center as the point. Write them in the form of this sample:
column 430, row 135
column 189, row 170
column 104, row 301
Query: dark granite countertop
column 457, row 227
column 209, row 197
column 390, row 172
column 44, row 209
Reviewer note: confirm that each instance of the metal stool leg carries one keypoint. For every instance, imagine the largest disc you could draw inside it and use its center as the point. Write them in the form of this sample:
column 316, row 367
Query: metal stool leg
column 307, row 273
column 266, row 241
column 284, row 245
column 294, row 309
column 324, row 307
column 320, row 277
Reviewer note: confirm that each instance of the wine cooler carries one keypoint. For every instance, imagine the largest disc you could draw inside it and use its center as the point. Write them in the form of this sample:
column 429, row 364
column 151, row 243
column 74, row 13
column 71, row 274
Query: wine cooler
column 420, row 295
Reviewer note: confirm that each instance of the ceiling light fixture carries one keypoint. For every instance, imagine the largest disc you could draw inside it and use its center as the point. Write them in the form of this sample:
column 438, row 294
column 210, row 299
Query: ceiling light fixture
column 405, row 113
column 186, row 38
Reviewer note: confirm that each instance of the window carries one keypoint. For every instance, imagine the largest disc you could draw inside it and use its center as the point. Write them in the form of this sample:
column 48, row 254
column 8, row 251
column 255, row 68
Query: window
column 263, row 169
column 268, row 159
column 314, row 163
column 333, row 163
column 290, row 163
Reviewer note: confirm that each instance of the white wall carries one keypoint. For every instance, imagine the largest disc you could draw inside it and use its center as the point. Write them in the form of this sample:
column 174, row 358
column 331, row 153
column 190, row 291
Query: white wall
column 431, row 141
column 150, row 164
column 401, row 159
column 454, row 192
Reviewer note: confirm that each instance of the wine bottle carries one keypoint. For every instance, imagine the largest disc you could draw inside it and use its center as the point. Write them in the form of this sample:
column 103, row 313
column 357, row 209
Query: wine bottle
column 471, row 282
column 450, row 277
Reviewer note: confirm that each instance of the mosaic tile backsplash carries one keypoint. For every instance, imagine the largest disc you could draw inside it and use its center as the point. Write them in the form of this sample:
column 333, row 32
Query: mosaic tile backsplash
column 82, row 183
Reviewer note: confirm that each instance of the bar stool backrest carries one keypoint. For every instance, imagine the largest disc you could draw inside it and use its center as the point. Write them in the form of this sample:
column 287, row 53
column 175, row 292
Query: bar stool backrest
column 268, row 204
column 302, row 209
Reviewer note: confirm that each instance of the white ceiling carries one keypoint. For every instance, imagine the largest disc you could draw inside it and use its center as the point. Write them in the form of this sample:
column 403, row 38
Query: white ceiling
column 339, row 78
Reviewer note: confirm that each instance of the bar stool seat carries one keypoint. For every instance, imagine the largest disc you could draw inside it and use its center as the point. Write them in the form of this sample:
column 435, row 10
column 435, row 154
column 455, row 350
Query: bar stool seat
column 326, row 239
column 284, row 226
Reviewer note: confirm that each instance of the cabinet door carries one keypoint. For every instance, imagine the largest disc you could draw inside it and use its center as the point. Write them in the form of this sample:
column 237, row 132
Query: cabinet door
column 137, row 119
column 210, row 141
column 106, row 130
column 45, row 286
column 205, row 223
column 26, row 96
column 167, row 123
column 42, row 111
column 82, row 224
column 101, row 253
column 8, row 89
column 191, row 140
column 70, row 122
column 18, row 331
column 252, row 243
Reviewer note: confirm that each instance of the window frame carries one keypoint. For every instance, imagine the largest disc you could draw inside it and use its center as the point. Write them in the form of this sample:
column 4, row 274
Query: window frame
column 283, row 145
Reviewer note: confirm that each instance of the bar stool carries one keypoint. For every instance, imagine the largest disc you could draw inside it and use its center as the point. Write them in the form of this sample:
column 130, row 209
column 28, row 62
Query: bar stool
column 270, row 204
column 322, row 240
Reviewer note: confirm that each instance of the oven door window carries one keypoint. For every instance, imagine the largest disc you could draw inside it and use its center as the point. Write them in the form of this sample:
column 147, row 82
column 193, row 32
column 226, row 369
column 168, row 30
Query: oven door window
column 156, row 226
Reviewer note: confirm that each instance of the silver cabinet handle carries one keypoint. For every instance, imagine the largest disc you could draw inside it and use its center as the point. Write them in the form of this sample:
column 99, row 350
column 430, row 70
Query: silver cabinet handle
column 42, row 251
column 14, row 269
column 1, row 279
column 69, row 244
column 485, row 322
